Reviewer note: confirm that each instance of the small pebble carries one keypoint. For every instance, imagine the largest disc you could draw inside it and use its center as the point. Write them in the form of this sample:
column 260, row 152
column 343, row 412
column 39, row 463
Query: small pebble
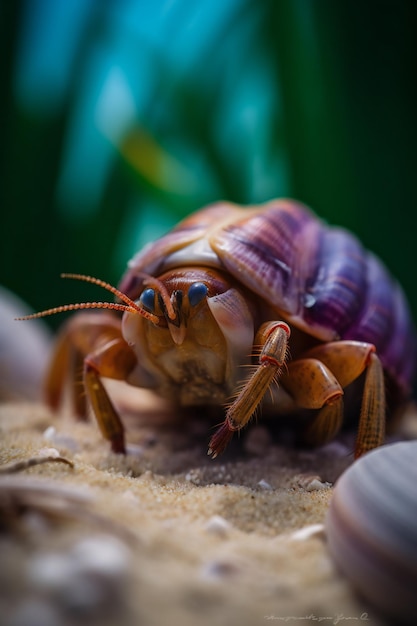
column 66, row 441
column 317, row 484
column 104, row 555
column 308, row 531
column 217, row 570
column 134, row 449
column 218, row 525
column 129, row 497
column 193, row 476
column 337, row 448
column 311, row 483
column 49, row 433
column 49, row 452
column 263, row 484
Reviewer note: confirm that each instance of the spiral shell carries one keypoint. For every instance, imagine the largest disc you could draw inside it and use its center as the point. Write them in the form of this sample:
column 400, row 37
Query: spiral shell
column 372, row 528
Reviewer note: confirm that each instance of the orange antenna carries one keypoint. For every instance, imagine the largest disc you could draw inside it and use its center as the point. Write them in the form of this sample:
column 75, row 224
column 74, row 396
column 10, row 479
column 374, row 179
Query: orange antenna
column 130, row 306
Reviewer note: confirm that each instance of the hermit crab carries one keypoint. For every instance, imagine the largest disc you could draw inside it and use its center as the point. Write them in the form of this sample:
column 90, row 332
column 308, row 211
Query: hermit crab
column 248, row 307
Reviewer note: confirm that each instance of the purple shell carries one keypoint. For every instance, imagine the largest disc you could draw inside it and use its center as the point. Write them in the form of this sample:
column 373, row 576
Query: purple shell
column 318, row 278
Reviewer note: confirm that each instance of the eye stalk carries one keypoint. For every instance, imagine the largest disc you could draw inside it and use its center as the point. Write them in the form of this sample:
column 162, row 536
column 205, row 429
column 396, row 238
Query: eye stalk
column 196, row 293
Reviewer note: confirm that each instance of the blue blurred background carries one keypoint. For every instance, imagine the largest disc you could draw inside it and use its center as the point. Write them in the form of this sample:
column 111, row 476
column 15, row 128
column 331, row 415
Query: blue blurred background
column 119, row 117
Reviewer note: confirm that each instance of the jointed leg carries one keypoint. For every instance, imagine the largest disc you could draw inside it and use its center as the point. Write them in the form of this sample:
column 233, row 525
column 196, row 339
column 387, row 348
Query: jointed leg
column 314, row 386
column 371, row 431
column 115, row 360
column 93, row 341
column 315, row 381
column 273, row 337
column 82, row 334
column 347, row 360
column 326, row 424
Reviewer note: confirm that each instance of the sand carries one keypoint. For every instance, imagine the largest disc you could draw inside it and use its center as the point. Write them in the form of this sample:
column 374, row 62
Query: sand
column 165, row 535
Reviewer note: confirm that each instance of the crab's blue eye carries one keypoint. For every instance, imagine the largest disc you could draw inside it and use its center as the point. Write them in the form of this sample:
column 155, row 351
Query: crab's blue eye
column 196, row 293
column 147, row 300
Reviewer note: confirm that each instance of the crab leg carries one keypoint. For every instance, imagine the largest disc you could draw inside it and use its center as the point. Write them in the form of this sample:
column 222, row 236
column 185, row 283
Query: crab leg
column 273, row 339
column 114, row 360
column 95, row 341
column 311, row 383
column 371, row 431
column 313, row 386
column 347, row 360
column 325, row 426
column 81, row 335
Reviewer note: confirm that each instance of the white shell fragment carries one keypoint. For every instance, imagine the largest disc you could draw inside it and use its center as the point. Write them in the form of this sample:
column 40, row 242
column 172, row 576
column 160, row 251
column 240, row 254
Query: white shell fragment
column 302, row 534
column 59, row 439
column 311, row 483
column 371, row 528
column 218, row 525
column 263, row 484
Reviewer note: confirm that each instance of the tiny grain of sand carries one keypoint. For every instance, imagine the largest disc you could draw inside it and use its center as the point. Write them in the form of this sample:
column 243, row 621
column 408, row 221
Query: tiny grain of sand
column 165, row 535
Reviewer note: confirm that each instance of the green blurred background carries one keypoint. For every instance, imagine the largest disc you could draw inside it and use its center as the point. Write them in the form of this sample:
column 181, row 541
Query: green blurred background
column 119, row 117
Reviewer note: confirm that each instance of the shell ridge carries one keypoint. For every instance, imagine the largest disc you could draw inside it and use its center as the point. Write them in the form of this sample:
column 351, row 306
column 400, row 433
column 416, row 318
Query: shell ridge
column 384, row 320
column 335, row 293
column 262, row 249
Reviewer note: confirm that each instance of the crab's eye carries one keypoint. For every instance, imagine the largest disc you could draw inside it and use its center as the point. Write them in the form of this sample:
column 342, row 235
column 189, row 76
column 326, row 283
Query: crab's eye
column 196, row 293
column 147, row 300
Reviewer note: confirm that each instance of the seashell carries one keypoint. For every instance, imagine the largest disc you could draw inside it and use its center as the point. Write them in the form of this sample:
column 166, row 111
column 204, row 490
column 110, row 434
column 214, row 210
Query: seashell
column 24, row 351
column 371, row 529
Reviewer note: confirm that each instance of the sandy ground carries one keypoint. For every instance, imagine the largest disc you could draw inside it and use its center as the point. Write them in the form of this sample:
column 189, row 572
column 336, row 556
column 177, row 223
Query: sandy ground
column 165, row 535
